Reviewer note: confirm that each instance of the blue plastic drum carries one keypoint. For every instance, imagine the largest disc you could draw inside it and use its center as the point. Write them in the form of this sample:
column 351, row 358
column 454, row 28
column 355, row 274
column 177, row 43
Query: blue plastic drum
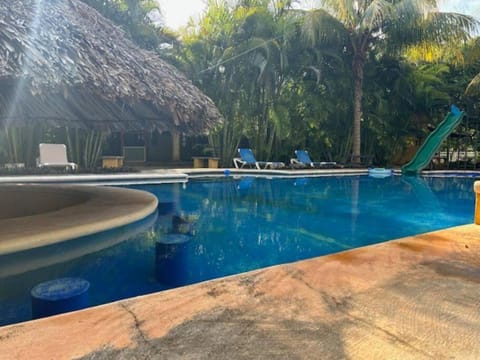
column 59, row 296
column 172, row 260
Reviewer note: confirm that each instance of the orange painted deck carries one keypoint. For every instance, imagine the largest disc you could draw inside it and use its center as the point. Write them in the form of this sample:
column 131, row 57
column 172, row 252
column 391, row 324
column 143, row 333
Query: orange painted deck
column 413, row 298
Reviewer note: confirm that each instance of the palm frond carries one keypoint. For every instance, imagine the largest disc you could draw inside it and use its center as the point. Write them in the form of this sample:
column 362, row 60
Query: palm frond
column 343, row 10
column 434, row 52
column 474, row 87
column 442, row 26
column 319, row 27
column 419, row 21
column 472, row 51
column 375, row 14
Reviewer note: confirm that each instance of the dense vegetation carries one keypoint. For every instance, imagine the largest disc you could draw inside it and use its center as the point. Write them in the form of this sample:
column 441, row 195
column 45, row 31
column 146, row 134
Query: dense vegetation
column 287, row 79
column 351, row 78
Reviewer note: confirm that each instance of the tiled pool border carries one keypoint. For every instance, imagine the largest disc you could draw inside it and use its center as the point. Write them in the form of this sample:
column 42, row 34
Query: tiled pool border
column 367, row 276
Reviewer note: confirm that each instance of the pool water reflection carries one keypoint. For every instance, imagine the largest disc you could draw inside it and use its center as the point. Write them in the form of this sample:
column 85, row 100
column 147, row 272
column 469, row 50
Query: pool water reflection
column 211, row 228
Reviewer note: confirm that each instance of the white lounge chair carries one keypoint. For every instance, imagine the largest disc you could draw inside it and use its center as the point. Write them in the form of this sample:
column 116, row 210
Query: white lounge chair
column 54, row 155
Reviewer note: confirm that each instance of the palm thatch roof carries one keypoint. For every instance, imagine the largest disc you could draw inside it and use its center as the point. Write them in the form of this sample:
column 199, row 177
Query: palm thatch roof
column 63, row 64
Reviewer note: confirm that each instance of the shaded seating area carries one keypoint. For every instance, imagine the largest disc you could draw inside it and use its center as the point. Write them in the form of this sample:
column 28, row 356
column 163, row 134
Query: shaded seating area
column 303, row 160
column 247, row 159
column 86, row 79
column 54, row 155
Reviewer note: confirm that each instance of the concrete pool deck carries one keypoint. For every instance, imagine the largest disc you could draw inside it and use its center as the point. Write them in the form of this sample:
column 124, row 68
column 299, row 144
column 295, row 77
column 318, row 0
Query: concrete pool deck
column 413, row 298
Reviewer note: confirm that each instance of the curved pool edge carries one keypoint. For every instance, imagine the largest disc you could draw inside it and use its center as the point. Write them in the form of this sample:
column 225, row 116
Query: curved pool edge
column 105, row 208
column 148, row 177
column 31, row 259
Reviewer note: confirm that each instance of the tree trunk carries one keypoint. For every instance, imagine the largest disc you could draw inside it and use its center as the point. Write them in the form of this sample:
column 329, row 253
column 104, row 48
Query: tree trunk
column 358, row 62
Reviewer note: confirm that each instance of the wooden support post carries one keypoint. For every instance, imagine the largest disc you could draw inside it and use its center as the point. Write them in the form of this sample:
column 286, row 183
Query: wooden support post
column 175, row 146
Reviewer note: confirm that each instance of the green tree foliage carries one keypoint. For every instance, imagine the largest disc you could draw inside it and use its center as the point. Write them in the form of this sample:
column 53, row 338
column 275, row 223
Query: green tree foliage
column 472, row 60
column 236, row 54
column 136, row 17
column 285, row 79
column 402, row 103
column 380, row 27
column 250, row 58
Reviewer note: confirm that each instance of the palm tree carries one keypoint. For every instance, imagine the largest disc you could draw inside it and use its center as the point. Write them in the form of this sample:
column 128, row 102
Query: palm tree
column 236, row 54
column 474, row 86
column 136, row 17
column 388, row 26
column 472, row 57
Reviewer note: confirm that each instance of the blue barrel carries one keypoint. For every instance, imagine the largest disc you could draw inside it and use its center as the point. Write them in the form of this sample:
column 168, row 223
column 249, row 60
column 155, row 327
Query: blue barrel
column 59, row 296
column 172, row 261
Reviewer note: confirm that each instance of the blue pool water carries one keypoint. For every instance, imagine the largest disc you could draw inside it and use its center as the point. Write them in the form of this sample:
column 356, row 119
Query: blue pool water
column 211, row 228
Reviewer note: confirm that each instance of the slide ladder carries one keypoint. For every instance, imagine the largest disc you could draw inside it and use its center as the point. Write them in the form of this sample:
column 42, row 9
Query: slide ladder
column 431, row 145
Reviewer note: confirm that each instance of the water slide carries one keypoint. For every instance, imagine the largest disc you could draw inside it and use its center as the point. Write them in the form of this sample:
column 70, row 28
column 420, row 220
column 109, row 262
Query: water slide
column 431, row 145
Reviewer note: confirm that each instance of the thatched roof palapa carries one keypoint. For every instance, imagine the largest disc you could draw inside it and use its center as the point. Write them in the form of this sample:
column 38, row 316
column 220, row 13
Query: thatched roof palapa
column 62, row 63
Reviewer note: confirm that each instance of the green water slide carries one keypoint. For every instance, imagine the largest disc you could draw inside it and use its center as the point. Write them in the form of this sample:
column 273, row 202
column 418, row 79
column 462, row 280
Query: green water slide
column 431, row 145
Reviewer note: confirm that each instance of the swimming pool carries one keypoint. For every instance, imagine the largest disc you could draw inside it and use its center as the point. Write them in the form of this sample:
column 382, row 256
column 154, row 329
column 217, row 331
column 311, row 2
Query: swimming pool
column 208, row 228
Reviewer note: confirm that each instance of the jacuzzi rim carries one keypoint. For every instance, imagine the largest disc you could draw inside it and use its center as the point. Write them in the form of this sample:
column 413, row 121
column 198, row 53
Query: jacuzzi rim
column 106, row 208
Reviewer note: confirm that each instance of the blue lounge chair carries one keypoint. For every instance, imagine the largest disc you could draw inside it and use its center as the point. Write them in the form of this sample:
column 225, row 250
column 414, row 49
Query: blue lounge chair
column 304, row 160
column 245, row 183
column 248, row 159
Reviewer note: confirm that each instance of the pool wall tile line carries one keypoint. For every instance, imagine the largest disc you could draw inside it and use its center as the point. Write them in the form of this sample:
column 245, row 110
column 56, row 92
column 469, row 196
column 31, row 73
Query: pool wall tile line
column 98, row 179
column 159, row 176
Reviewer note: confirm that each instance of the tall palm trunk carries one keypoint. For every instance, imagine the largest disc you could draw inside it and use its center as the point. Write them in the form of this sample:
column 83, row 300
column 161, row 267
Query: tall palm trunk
column 357, row 65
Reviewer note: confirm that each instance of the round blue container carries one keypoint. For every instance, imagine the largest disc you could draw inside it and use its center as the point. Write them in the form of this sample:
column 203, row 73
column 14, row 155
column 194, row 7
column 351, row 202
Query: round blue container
column 171, row 260
column 59, row 296
column 380, row 172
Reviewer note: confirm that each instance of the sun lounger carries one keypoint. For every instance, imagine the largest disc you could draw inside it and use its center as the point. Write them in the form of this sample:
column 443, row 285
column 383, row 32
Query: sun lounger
column 303, row 160
column 247, row 159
